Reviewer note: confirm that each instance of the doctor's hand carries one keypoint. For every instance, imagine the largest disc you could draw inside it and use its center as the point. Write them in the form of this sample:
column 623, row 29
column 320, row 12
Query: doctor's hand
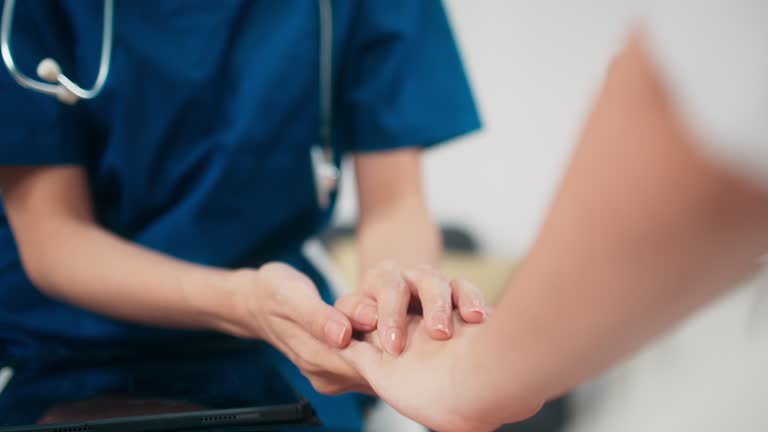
column 281, row 306
column 389, row 292
column 429, row 383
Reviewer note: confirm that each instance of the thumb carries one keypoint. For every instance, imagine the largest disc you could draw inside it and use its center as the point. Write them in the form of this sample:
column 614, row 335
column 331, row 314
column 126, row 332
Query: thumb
column 364, row 357
column 319, row 319
column 361, row 310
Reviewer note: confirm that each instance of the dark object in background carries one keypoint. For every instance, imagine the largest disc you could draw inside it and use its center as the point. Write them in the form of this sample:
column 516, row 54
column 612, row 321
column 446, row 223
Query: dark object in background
column 551, row 418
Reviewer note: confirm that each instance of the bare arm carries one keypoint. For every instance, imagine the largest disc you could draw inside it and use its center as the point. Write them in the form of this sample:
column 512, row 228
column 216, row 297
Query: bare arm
column 400, row 242
column 394, row 223
column 69, row 256
column 641, row 233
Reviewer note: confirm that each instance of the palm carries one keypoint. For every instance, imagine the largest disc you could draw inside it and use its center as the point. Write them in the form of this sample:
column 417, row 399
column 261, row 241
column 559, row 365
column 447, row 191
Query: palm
column 420, row 383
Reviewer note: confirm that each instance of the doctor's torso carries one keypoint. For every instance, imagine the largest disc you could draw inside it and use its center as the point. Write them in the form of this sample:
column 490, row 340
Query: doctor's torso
column 198, row 146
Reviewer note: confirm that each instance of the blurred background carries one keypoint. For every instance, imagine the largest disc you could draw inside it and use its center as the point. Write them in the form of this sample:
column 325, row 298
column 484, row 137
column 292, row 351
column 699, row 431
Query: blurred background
column 535, row 67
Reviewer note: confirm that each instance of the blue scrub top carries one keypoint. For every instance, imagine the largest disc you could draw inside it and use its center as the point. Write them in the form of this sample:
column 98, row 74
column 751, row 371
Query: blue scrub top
column 198, row 146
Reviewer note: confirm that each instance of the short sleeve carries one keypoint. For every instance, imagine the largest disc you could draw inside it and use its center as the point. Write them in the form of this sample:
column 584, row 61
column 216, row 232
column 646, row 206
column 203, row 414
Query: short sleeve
column 402, row 81
column 29, row 132
column 713, row 55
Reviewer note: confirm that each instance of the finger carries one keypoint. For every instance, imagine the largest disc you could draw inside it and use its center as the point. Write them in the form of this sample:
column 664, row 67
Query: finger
column 303, row 306
column 386, row 285
column 434, row 291
column 365, row 358
column 469, row 300
column 360, row 309
column 322, row 365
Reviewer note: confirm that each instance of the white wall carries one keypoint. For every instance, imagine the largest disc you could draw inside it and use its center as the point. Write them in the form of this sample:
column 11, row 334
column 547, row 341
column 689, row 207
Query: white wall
column 535, row 66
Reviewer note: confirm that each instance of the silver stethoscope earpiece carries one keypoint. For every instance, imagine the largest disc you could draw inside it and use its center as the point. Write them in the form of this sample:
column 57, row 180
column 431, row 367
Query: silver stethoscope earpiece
column 49, row 70
column 326, row 174
column 58, row 85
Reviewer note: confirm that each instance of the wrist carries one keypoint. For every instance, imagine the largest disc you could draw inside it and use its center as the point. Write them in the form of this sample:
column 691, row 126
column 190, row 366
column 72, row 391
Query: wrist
column 247, row 299
column 214, row 297
column 473, row 388
column 515, row 402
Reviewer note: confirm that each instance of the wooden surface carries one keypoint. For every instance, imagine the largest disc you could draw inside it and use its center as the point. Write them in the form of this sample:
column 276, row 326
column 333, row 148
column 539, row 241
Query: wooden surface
column 490, row 274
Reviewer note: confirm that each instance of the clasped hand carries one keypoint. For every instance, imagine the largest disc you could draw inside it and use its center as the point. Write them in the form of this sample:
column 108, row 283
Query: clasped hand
column 416, row 369
column 414, row 324
column 287, row 312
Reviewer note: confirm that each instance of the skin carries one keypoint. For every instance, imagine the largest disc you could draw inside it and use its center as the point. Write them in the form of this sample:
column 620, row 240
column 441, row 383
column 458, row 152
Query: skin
column 51, row 215
column 642, row 232
column 399, row 242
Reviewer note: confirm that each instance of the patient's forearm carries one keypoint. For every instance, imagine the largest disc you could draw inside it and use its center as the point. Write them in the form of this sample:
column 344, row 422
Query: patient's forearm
column 641, row 233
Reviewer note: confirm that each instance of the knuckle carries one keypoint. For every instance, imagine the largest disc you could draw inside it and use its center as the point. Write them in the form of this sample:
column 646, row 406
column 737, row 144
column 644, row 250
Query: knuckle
column 427, row 268
column 376, row 271
column 432, row 282
column 387, row 266
column 441, row 305
column 349, row 301
column 349, row 307
column 343, row 300
column 399, row 287
column 393, row 316
column 385, row 277
column 425, row 274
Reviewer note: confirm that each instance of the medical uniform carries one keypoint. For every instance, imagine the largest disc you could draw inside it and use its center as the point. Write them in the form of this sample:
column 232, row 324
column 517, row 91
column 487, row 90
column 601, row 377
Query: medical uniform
column 198, row 147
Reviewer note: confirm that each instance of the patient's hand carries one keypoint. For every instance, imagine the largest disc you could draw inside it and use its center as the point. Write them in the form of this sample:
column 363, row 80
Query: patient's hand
column 389, row 292
column 423, row 382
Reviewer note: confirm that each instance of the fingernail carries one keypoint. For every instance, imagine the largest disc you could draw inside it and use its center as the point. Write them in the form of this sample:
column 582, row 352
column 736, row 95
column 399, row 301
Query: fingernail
column 440, row 322
column 478, row 314
column 367, row 314
column 393, row 338
column 335, row 332
column 479, row 309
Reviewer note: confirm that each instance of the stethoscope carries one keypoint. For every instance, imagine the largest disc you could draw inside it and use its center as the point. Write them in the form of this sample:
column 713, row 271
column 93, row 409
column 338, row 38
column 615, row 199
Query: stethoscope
column 326, row 174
